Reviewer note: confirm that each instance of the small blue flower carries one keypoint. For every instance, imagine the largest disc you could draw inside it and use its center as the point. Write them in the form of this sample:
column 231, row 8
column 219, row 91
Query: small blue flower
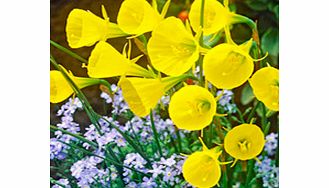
column 271, row 143
column 64, row 182
column 148, row 182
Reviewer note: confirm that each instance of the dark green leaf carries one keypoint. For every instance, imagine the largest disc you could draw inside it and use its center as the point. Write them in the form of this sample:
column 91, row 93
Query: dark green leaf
column 270, row 41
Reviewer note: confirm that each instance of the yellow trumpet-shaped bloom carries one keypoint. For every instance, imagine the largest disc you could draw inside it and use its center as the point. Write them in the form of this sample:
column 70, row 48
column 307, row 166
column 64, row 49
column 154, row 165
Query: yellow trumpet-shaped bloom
column 265, row 85
column 216, row 16
column 228, row 66
column 244, row 141
column 171, row 48
column 60, row 89
column 192, row 108
column 142, row 94
column 202, row 168
column 137, row 17
column 105, row 61
column 83, row 28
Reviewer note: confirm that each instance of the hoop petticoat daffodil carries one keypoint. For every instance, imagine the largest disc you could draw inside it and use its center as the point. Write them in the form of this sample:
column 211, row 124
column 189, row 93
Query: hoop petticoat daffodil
column 105, row 61
column 83, row 28
column 138, row 16
column 216, row 16
column 202, row 168
column 192, row 108
column 172, row 49
column 265, row 86
column 244, row 142
column 143, row 94
column 60, row 89
column 229, row 65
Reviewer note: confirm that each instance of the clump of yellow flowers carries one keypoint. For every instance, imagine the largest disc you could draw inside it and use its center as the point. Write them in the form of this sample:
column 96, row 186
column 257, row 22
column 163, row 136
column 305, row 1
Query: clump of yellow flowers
column 175, row 51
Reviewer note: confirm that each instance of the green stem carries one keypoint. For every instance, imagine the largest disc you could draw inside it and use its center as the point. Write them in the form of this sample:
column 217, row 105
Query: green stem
column 252, row 113
column 69, row 52
column 156, row 136
column 178, row 139
column 240, row 115
column 250, row 172
column 201, row 40
column 264, row 120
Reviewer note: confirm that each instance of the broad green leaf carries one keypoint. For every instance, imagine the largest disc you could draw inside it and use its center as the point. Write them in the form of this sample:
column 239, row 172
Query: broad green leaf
column 270, row 41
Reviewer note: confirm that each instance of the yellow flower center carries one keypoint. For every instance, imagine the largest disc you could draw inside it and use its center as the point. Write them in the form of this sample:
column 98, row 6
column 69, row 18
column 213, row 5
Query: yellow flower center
column 234, row 60
column 244, row 145
column 138, row 17
column 203, row 107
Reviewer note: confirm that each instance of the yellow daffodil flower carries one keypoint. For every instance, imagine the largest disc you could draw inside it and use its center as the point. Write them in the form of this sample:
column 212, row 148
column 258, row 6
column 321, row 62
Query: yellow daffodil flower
column 105, row 61
column 244, row 141
column 171, row 48
column 216, row 16
column 83, row 28
column 202, row 168
column 137, row 17
column 143, row 94
column 192, row 108
column 60, row 89
column 265, row 85
column 228, row 65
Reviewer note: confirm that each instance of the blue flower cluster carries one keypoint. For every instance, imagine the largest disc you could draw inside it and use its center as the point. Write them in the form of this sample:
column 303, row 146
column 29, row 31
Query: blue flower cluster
column 90, row 170
column 271, row 143
column 167, row 170
column 226, row 100
column 267, row 169
column 57, row 146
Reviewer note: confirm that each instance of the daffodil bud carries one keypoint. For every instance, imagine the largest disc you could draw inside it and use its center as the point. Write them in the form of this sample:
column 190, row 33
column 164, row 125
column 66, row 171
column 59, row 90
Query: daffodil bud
column 60, row 89
column 244, row 142
column 105, row 61
column 83, row 28
column 192, row 108
column 171, row 48
column 265, row 85
column 137, row 17
column 228, row 66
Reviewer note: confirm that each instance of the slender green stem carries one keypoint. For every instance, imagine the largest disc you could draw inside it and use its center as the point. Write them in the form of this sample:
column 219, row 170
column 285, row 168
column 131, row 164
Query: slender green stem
column 252, row 113
column 264, row 119
column 250, row 172
column 178, row 139
column 156, row 136
column 240, row 115
column 201, row 40
column 69, row 52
